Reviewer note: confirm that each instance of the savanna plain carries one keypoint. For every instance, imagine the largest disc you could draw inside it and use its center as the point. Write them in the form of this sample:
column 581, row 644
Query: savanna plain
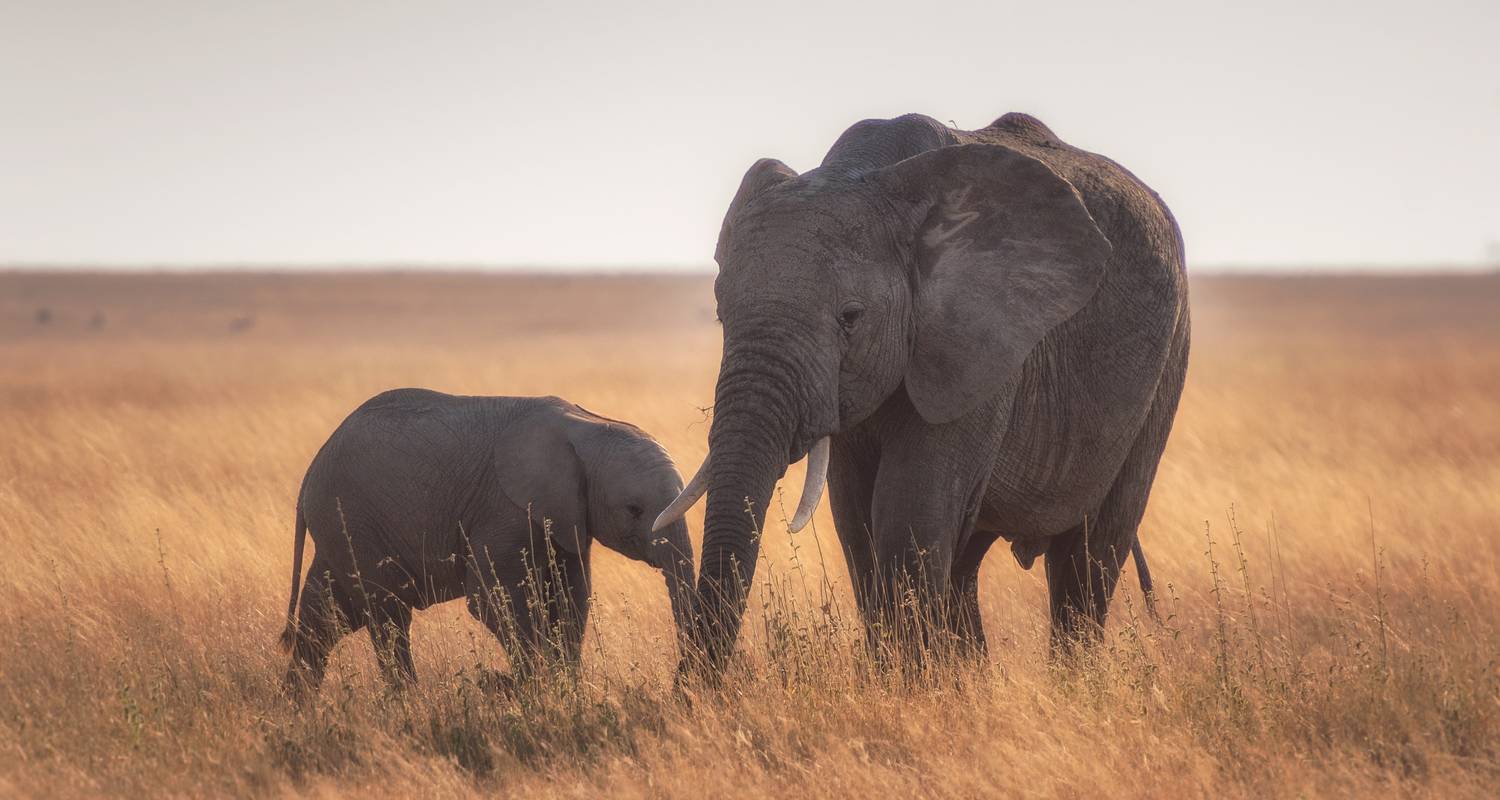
column 1324, row 533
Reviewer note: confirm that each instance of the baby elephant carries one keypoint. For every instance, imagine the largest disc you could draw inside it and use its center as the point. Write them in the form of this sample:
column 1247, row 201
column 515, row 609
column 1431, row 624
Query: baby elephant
column 421, row 497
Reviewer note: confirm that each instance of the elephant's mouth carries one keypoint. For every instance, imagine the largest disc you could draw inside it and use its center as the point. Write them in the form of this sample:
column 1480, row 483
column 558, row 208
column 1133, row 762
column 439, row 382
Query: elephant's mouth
column 799, row 450
column 803, row 442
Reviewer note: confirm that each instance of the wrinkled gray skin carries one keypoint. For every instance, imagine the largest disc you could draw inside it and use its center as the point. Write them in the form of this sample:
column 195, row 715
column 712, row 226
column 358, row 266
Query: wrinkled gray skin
column 993, row 327
column 434, row 490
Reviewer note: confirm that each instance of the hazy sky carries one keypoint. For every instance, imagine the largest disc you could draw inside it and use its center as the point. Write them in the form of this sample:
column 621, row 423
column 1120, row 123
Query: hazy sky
column 173, row 133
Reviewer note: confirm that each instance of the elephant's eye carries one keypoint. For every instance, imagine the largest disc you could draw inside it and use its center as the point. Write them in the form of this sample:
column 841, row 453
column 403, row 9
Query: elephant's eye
column 635, row 511
column 849, row 316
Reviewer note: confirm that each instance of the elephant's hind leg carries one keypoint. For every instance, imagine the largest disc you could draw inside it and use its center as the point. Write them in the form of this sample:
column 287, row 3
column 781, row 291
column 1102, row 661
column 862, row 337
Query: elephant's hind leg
column 390, row 632
column 325, row 614
column 1083, row 565
column 961, row 607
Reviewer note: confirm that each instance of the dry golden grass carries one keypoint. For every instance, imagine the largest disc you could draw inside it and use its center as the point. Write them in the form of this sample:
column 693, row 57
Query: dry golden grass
column 1324, row 528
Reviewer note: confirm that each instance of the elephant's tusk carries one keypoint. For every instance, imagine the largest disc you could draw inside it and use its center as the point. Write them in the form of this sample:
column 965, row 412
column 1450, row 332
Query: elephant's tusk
column 812, row 490
column 690, row 494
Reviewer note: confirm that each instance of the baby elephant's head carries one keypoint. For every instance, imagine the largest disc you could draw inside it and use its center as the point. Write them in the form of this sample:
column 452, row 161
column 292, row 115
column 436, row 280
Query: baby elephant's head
column 634, row 482
column 631, row 480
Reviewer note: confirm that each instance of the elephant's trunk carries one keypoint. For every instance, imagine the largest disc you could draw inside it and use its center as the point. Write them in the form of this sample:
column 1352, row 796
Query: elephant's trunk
column 672, row 553
column 755, row 421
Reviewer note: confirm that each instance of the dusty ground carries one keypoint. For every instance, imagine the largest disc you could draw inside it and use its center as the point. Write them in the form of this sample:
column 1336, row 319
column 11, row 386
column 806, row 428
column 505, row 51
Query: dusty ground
column 1324, row 526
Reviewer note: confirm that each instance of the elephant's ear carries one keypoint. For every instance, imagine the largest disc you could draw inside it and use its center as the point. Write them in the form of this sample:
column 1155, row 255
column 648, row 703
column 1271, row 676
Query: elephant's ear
column 761, row 176
column 539, row 471
column 1005, row 252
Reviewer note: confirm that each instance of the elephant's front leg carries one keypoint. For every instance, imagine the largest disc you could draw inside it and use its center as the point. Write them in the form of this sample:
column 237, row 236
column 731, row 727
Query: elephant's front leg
column 512, row 591
column 498, row 598
column 851, row 494
column 926, row 499
column 568, row 614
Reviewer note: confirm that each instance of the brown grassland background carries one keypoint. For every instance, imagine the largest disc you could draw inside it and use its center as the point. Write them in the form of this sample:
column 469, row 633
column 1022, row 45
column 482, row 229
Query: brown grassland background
column 1323, row 531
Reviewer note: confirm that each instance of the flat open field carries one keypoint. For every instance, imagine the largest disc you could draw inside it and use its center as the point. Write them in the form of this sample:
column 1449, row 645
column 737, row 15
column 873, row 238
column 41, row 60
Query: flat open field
column 1325, row 532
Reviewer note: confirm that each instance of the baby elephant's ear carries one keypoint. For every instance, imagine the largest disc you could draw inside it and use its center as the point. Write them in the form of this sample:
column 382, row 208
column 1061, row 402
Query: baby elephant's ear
column 538, row 470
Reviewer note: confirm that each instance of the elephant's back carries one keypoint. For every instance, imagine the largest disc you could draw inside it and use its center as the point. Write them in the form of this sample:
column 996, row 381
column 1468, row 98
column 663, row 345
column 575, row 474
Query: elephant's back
column 1135, row 219
column 401, row 469
column 407, row 435
column 415, row 404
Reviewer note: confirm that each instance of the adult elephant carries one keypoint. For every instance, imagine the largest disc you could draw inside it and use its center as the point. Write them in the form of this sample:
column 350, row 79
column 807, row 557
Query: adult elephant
column 975, row 335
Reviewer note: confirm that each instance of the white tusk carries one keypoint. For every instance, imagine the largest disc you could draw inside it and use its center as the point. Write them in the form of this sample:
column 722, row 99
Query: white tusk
column 812, row 490
column 690, row 494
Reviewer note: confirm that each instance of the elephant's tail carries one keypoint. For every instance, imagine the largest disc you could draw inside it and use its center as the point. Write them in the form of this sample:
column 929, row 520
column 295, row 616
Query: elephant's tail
column 1143, row 572
column 299, row 540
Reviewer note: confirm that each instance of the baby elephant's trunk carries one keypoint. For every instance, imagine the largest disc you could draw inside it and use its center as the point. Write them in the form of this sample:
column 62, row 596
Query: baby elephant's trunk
column 672, row 553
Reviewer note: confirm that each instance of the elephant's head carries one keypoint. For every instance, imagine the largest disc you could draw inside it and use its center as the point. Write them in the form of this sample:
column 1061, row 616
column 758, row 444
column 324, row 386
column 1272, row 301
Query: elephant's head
column 634, row 480
column 935, row 275
column 606, row 480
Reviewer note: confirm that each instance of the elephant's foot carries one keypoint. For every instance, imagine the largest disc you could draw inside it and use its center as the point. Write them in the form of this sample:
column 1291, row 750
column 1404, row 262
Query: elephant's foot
column 495, row 682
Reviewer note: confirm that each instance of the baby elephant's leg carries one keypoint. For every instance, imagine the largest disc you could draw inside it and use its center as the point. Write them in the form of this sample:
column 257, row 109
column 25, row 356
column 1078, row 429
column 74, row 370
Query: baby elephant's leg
column 536, row 609
column 390, row 631
column 569, row 613
column 325, row 613
column 503, row 596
